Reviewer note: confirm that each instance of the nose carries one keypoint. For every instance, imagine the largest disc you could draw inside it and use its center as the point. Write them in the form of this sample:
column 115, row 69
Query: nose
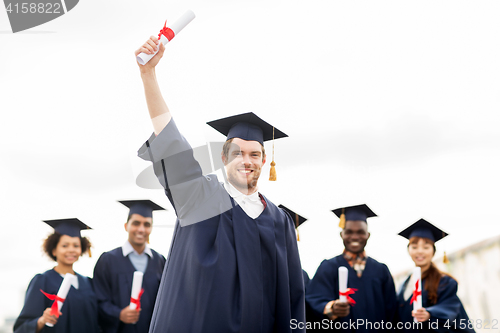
column 246, row 159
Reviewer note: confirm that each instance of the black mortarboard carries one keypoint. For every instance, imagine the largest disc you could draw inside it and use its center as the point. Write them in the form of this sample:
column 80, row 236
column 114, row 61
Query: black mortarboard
column 246, row 126
column 296, row 218
column 423, row 229
column 70, row 227
column 144, row 208
column 353, row 213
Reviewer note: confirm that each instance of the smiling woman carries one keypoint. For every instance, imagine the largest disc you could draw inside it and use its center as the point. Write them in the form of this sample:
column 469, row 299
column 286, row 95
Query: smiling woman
column 79, row 310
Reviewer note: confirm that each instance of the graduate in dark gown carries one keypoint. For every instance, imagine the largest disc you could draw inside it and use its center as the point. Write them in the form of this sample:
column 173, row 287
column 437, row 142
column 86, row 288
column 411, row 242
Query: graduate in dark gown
column 114, row 271
column 233, row 265
column 375, row 297
column 441, row 310
column 78, row 313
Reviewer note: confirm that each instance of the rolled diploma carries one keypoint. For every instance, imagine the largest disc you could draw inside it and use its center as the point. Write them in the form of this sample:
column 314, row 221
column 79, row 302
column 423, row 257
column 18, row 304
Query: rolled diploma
column 136, row 287
column 417, row 274
column 343, row 273
column 176, row 27
column 63, row 291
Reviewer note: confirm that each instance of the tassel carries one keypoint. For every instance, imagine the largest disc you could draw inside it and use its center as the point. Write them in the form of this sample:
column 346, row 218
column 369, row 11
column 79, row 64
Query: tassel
column 147, row 240
column 342, row 220
column 298, row 237
column 90, row 253
column 445, row 258
column 272, row 174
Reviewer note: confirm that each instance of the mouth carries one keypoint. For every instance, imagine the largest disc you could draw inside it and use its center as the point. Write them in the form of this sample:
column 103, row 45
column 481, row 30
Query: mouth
column 355, row 243
column 245, row 171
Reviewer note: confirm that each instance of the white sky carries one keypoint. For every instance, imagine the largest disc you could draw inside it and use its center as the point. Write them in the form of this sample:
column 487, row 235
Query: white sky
column 390, row 103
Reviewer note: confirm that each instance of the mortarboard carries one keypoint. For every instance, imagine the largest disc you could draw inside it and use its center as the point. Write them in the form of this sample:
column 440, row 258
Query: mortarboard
column 70, row 227
column 142, row 207
column 248, row 126
column 353, row 213
column 296, row 218
column 424, row 229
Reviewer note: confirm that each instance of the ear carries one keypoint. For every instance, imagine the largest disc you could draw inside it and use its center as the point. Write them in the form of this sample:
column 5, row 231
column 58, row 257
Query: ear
column 125, row 225
column 264, row 160
column 223, row 158
column 367, row 238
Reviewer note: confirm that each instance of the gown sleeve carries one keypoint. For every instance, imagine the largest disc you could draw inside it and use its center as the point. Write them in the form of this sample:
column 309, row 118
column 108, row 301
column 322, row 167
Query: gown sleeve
column 109, row 313
column 34, row 305
column 390, row 301
column 448, row 303
column 320, row 290
column 194, row 197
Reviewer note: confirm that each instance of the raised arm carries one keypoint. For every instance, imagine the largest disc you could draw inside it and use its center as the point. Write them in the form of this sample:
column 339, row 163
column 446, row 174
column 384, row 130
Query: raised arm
column 158, row 110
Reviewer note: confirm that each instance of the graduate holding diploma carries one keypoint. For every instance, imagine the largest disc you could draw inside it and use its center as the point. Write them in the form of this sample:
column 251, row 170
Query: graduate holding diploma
column 233, row 264
column 374, row 299
column 441, row 309
column 122, row 308
column 45, row 309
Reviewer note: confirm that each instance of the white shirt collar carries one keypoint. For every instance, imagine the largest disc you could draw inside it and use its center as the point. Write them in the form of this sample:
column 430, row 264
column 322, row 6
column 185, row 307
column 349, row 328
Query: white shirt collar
column 127, row 249
column 234, row 193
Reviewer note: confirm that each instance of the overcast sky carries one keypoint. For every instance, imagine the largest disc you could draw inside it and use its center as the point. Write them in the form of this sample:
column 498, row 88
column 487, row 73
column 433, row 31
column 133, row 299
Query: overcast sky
column 390, row 103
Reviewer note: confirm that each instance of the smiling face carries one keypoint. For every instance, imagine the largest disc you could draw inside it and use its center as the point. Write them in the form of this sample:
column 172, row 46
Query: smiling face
column 68, row 250
column 421, row 251
column 244, row 163
column 138, row 228
column 355, row 235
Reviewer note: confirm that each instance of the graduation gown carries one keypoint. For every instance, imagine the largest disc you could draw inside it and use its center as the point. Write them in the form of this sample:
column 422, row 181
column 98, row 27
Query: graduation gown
column 447, row 308
column 375, row 297
column 79, row 311
column 113, row 275
column 225, row 272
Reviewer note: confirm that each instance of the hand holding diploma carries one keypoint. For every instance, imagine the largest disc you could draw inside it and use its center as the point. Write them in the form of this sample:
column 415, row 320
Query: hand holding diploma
column 55, row 310
column 416, row 299
column 165, row 36
column 130, row 314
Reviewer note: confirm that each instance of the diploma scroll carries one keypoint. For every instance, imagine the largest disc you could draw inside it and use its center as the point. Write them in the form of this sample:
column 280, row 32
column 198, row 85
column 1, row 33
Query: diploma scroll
column 167, row 34
column 63, row 292
column 417, row 293
column 136, row 289
column 343, row 274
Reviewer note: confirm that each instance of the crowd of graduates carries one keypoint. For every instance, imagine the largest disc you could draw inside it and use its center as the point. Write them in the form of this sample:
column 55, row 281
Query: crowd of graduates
column 233, row 264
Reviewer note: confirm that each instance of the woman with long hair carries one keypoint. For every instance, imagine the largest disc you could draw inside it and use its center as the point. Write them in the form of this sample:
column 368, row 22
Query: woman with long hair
column 441, row 309
column 78, row 313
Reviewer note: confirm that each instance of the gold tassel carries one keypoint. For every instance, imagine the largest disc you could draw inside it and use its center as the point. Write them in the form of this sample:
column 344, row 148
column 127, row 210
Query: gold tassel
column 342, row 219
column 90, row 253
column 445, row 258
column 272, row 174
column 298, row 237
column 147, row 240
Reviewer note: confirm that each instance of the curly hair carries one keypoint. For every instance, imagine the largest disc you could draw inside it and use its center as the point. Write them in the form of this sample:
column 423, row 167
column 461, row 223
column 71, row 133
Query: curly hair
column 51, row 242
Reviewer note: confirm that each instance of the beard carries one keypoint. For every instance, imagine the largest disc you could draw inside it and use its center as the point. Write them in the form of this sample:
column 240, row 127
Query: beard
column 244, row 184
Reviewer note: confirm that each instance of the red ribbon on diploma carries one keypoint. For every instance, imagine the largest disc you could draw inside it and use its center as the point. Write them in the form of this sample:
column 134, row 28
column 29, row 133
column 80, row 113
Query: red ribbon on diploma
column 167, row 32
column 54, row 309
column 137, row 301
column 416, row 293
column 349, row 291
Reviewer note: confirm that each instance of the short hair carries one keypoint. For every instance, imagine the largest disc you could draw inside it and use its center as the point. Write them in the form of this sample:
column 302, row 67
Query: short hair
column 130, row 216
column 51, row 242
column 227, row 146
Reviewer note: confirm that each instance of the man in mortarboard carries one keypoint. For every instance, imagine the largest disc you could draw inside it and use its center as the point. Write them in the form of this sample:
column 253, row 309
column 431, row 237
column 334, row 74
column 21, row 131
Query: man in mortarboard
column 233, row 265
column 114, row 271
column 373, row 295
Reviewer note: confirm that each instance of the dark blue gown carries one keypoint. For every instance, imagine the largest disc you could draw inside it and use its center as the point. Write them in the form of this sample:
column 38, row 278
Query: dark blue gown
column 113, row 275
column 79, row 311
column 375, row 298
column 447, row 309
column 225, row 272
